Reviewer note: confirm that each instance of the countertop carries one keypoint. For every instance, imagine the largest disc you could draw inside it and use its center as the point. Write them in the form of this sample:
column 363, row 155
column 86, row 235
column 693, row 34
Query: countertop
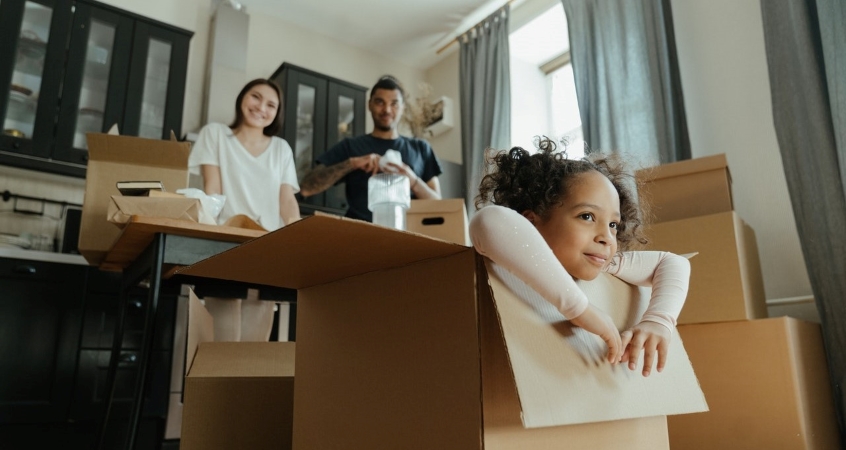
column 34, row 255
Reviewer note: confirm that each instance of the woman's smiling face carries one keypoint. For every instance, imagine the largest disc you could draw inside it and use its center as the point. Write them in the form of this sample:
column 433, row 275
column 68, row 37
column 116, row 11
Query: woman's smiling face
column 582, row 230
column 259, row 106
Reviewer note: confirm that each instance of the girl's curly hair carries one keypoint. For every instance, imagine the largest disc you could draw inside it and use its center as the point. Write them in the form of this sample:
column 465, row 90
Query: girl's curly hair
column 538, row 182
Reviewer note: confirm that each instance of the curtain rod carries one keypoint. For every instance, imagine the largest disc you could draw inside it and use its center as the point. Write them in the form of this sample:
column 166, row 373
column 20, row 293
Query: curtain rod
column 454, row 40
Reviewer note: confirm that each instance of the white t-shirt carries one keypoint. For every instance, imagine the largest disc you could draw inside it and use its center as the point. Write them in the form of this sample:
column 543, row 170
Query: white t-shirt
column 251, row 184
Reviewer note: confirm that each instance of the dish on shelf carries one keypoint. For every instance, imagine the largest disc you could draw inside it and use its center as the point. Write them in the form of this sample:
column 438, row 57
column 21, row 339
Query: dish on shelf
column 31, row 46
column 14, row 133
column 21, row 89
column 91, row 112
column 17, row 241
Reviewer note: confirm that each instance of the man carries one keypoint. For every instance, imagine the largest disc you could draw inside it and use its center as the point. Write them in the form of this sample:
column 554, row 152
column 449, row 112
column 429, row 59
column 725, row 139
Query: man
column 354, row 160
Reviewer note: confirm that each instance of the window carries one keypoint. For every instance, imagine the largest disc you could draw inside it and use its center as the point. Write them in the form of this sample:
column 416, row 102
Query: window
column 543, row 92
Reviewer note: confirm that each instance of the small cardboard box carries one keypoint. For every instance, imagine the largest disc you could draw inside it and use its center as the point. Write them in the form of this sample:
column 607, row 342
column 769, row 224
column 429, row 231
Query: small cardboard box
column 442, row 219
column 690, row 188
column 725, row 280
column 404, row 342
column 121, row 208
column 767, row 386
column 113, row 158
column 237, row 394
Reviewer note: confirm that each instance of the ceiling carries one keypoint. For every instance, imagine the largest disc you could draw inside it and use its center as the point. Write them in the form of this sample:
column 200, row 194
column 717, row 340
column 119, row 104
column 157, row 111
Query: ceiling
column 408, row 31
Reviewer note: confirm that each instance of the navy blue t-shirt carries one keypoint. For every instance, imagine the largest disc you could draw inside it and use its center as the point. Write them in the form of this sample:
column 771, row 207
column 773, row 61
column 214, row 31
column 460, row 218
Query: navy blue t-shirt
column 416, row 153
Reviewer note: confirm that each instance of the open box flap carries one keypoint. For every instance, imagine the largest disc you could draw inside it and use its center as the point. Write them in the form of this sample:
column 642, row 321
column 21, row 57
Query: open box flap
column 138, row 152
column 308, row 253
column 200, row 328
column 559, row 371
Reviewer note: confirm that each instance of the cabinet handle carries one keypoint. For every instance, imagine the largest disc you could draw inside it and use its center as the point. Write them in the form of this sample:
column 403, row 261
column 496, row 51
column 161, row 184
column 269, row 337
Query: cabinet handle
column 128, row 358
column 135, row 304
column 24, row 269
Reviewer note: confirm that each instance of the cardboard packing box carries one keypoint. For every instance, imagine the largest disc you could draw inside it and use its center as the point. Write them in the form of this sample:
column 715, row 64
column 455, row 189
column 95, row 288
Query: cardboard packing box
column 725, row 280
column 767, row 386
column 238, row 395
column 121, row 208
column 690, row 188
column 404, row 341
column 113, row 158
column 443, row 219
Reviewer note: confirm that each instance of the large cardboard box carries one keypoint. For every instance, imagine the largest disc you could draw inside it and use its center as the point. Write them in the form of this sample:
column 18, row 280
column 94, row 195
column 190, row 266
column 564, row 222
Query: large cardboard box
column 113, row 158
column 690, row 188
column 767, row 387
column 237, row 394
column 442, row 219
column 404, row 341
column 725, row 281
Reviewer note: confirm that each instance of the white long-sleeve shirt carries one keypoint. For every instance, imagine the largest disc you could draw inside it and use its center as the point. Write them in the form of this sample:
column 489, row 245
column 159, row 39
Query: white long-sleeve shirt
column 510, row 240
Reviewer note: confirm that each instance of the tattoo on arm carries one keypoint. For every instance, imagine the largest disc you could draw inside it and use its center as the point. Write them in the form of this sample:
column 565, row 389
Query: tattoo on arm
column 323, row 177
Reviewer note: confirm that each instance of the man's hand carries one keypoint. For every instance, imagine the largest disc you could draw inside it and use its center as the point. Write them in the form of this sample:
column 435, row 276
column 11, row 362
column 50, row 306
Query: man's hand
column 368, row 163
column 651, row 338
column 402, row 169
column 600, row 324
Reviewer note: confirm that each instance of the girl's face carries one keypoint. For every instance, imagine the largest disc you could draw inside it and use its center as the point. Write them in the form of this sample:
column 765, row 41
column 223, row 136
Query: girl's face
column 259, row 106
column 582, row 231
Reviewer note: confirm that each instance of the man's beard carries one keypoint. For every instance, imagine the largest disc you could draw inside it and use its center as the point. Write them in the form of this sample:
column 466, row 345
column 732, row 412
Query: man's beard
column 382, row 127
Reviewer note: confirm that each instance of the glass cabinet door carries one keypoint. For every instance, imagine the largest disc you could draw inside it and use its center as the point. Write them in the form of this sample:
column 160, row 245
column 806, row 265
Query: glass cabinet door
column 30, row 87
column 346, row 113
column 92, row 96
column 155, row 76
column 304, row 124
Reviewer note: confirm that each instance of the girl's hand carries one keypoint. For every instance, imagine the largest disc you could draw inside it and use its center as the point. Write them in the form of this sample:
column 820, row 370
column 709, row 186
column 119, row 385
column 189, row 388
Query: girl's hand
column 653, row 339
column 600, row 324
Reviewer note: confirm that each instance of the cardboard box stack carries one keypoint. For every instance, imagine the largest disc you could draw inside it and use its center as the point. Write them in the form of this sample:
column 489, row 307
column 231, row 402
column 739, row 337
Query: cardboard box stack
column 765, row 380
column 405, row 341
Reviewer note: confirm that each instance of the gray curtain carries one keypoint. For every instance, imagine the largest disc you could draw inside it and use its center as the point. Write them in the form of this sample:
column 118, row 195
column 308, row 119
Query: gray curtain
column 627, row 79
column 806, row 57
column 485, row 89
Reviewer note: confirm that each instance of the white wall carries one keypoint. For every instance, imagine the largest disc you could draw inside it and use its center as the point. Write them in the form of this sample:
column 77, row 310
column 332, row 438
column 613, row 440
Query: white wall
column 443, row 78
column 727, row 100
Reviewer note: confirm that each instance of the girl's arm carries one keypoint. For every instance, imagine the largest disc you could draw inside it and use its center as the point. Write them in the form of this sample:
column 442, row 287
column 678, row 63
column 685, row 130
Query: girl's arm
column 510, row 240
column 289, row 210
column 211, row 179
column 668, row 275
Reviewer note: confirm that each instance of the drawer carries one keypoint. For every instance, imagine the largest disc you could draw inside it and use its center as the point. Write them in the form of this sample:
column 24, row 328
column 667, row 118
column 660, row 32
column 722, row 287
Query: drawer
column 40, row 270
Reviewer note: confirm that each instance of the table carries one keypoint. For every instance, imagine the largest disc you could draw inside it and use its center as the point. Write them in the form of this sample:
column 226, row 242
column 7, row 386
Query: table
column 146, row 251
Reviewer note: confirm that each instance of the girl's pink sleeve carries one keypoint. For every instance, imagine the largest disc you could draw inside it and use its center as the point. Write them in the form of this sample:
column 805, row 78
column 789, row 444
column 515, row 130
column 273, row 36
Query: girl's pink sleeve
column 668, row 275
column 510, row 240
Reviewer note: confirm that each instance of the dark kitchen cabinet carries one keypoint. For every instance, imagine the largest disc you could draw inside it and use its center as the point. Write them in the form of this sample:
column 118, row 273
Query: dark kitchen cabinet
column 319, row 111
column 71, row 67
column 40, row 316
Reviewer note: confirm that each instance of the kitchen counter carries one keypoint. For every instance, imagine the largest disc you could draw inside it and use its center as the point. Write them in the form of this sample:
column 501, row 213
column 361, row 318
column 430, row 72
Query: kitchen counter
column 34, row 255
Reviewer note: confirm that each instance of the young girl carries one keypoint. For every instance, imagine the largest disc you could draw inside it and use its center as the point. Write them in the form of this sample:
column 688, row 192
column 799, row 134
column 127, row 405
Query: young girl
column 555, row 220
column 247, row 162
column 254, row 169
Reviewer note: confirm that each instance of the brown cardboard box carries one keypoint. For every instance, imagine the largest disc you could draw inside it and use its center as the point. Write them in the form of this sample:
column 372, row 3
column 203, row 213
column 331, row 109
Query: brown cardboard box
column 767, row 387
column 404, row 345
column 442, row 219
column 121, row 208
column 113, row 158
column 690, row 188
column 237, row 394
column 725, row 280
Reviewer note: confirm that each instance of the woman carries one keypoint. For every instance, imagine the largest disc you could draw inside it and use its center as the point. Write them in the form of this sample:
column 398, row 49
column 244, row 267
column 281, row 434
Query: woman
column 247, row 162
column 254, row 169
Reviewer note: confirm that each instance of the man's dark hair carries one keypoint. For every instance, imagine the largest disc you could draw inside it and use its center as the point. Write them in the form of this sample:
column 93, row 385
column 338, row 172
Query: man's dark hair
column 388, row 82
